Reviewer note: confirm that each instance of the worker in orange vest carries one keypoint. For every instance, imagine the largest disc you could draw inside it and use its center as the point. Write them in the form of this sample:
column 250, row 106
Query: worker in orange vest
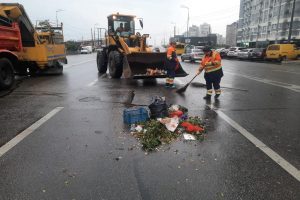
column 211, row 64
column 172, row 64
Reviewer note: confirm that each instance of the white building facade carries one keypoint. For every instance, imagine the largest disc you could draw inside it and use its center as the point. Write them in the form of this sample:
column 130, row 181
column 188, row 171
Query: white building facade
column 263, row 22
column 205, row 29
column 231, row 34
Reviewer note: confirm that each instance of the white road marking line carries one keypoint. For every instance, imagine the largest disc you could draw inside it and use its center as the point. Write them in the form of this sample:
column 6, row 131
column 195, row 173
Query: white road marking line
column 92, row 83
column 291, row 72
column 69, row 66
column 295, row 88
column 13, row 142
column 264, row 148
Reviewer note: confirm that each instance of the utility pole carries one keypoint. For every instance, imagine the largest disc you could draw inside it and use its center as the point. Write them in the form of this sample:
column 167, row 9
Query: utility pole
column 93, row 41
column 174, row 31
column 98, row 36
column 291, row 23
column 95, row 31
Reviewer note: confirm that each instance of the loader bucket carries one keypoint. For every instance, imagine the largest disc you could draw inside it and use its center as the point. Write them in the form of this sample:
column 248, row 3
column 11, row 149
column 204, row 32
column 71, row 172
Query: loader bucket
column 136, row 64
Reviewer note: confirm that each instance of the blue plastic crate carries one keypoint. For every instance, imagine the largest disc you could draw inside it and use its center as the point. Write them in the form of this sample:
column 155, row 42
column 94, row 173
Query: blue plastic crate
column 135, row 114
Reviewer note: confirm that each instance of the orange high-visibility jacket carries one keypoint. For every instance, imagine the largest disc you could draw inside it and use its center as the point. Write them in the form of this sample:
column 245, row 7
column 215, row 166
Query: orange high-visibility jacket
column 211, row 63
column 171, row 54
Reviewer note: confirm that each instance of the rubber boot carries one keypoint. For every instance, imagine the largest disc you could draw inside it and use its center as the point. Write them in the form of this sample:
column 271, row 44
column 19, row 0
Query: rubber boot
column 207, row 97
column 217, row 96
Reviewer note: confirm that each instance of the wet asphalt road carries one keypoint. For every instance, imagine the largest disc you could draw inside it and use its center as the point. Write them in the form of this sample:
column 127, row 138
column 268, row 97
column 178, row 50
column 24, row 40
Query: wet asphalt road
column 85, row 152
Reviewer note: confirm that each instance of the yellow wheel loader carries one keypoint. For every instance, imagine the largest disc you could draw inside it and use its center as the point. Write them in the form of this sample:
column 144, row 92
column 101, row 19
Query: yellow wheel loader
column 127, row 54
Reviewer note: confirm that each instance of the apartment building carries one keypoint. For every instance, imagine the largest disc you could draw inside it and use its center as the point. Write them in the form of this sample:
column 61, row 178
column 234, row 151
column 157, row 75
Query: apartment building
column 263, row 22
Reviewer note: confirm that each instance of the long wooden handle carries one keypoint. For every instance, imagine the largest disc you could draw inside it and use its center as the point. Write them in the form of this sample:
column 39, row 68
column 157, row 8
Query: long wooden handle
column 193, row 78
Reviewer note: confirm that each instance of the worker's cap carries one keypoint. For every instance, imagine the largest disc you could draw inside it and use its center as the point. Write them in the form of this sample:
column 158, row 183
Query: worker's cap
column 206, row 49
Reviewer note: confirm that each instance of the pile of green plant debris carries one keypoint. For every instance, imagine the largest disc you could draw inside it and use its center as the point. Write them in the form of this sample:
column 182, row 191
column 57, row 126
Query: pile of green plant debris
column 153, row 133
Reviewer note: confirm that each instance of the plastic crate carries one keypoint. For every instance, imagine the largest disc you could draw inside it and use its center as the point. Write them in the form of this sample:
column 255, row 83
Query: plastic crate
column 135, row 114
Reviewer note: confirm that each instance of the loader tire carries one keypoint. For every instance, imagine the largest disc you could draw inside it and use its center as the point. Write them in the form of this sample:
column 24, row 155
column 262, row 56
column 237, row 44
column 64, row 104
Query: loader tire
column 101, row 62
column 115, row 64
column 7, row 76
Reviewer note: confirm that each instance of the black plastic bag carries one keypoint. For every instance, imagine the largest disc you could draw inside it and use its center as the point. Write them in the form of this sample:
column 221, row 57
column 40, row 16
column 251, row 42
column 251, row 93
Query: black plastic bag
column 158, row 108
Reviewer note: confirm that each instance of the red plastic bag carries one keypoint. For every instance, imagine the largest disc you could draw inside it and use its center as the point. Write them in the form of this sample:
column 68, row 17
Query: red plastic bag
column 177, row 113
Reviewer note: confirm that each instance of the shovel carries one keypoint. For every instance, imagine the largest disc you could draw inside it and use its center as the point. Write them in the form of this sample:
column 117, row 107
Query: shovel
column 183, row 89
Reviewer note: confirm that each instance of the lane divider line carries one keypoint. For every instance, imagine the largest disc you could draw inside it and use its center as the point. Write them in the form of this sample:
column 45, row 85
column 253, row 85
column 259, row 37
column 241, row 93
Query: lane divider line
column 295, row 88
column 69, row 66
column 13, row 142
column 92, row 83
column 293, row 171
column 291, row 72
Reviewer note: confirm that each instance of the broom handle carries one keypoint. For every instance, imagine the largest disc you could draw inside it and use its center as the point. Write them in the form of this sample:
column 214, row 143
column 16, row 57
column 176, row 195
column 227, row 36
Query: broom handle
column 193, row 78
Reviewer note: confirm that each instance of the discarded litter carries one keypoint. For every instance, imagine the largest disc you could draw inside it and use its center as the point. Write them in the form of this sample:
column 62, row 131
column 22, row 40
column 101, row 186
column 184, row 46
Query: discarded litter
column 187, row 136
column 158, row 108
column 170, row 123
column 135, row 114
column 167, row 123
column 139, row 128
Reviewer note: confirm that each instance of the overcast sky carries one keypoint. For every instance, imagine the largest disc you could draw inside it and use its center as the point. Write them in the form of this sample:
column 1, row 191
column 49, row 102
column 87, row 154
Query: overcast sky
column 79, row 16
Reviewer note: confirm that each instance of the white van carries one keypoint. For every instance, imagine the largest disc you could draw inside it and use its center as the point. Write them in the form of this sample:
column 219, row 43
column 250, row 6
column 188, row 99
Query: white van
column 233, row 52
column 86, row 50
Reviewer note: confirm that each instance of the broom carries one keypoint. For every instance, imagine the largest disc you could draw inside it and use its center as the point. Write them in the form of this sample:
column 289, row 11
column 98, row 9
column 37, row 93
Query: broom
column 183, row 89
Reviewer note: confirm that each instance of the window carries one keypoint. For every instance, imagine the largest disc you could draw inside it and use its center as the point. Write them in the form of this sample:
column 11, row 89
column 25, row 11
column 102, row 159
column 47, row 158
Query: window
column 274, row 47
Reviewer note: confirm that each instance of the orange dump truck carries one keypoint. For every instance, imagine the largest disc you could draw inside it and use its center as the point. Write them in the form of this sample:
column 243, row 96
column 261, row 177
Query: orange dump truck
column 25, row 49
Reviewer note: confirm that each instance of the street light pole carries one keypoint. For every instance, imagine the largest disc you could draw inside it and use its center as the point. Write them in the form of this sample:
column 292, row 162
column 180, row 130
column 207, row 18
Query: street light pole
column 174, row 28
column 59, row 10
column 188, row 19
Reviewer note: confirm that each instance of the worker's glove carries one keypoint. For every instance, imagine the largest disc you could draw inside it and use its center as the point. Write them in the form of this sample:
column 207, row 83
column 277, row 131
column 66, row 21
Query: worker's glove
column 170, row 58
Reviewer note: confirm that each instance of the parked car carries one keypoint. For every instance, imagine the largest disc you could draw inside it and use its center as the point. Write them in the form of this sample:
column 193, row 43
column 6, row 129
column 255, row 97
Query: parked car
column 258, row 54
column 223, row 52
column 192, row 55
column 233, row 52
column 86, row 50
column 244, row 54
column 156, row 49
column 281, row 52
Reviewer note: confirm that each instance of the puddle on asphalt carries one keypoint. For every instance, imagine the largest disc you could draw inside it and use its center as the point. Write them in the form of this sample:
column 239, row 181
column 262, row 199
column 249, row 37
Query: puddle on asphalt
column 112, row 97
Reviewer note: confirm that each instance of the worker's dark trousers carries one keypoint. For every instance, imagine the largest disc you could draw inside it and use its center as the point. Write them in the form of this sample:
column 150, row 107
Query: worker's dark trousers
column 213, row 80
column 171, row 67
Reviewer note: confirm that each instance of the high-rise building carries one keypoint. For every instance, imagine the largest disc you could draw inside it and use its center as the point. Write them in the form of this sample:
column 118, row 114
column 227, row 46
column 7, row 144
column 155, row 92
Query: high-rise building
column 205, row 29
column 263, row 22
column 220, row 39
column 194, row 31
column 231, row 31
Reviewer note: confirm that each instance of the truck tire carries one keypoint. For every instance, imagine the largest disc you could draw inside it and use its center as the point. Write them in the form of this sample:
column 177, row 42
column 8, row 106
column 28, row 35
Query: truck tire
column 7, row 76
column 59, row 69
column 115, row 64
column 101, row 62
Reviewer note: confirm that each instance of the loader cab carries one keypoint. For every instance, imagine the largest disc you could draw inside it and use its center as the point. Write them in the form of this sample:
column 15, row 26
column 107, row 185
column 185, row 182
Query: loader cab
column 122, row 25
